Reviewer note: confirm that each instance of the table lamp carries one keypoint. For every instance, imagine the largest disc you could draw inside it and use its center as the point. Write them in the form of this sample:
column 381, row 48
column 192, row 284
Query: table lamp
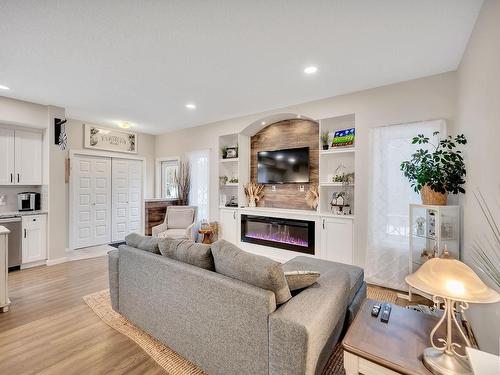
column 449, row 281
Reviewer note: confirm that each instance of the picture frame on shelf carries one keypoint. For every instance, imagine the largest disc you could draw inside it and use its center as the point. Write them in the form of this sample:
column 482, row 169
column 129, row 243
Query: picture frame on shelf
column 232, row 152
column 344, row 138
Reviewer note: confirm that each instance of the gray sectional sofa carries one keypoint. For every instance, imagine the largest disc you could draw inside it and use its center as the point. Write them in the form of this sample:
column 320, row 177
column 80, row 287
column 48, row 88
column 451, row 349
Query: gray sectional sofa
column 226, row 326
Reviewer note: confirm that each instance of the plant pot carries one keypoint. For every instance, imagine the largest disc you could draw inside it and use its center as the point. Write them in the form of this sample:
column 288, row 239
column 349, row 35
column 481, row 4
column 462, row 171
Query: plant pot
column 325, row 147
column 432, row 197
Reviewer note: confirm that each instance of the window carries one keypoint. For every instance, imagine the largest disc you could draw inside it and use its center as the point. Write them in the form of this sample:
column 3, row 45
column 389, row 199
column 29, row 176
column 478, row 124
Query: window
column 389, row 197
column 169, row 171
column 199, row 162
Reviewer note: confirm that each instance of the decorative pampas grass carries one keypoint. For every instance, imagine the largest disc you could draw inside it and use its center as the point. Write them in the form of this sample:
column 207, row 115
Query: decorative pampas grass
column 254, row 192
column 312, row 196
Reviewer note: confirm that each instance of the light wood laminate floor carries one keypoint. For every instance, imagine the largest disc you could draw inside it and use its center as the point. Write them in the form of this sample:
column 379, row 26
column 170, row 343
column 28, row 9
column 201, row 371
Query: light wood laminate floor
column 50, row 330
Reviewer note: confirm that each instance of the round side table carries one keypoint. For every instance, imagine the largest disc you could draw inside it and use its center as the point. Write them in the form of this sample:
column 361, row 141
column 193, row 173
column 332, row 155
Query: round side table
column 206, row 235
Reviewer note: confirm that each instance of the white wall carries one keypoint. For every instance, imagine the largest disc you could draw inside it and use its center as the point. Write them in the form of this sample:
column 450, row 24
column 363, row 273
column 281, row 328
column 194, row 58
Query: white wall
column 479, row 119
column 56, row 189
column 422, row 99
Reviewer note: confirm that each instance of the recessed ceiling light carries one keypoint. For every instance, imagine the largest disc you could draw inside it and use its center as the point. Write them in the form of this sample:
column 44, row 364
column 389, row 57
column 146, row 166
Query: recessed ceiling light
column 2, row 87
column 263, row 123
column 124, row 125
column 190, row 106
column 311, row 69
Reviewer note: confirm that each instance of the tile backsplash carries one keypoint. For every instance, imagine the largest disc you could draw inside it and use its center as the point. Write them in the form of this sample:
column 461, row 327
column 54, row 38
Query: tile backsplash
column 8, row 196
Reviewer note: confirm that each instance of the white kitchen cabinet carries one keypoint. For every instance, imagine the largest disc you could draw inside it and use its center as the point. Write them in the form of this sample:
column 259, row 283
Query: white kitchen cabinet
column 7, row 168
column 228, row 219
column 34, row 243
column 28, row 158
column 336, row 239
column 20, row 157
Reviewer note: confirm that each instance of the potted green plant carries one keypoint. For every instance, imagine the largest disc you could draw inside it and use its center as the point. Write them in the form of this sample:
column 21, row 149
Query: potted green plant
column 324, row 140
column 438, row 172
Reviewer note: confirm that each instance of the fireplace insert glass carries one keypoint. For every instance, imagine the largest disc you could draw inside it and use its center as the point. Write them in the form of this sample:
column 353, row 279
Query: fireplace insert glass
column 289, row 234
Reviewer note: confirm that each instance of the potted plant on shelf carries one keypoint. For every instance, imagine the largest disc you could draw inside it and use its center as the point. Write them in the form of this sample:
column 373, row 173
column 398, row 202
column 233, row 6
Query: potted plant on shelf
column 438, row 172
column 325, row 137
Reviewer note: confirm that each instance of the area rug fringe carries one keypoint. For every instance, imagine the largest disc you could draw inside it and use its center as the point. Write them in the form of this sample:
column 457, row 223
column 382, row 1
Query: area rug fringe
column 172, row 362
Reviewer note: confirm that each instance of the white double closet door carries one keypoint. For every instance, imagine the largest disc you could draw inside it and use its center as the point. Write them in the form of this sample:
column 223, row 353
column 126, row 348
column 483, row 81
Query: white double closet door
column 126, row 200
column 107, row 199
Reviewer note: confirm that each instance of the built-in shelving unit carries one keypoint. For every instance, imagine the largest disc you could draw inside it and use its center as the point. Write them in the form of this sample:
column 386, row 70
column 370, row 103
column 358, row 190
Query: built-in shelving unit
column 234, row 168
column 333, row 162
column 342, row 150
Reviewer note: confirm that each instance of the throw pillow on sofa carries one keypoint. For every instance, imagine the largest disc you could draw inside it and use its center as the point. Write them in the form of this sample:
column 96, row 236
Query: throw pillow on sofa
column 300, row 279
column 196, row 254
column 253, row 269
column 146, row 243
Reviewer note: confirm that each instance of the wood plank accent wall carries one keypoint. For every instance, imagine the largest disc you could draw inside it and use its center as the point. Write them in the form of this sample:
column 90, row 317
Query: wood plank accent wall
column 282, row 135
column 154, row 214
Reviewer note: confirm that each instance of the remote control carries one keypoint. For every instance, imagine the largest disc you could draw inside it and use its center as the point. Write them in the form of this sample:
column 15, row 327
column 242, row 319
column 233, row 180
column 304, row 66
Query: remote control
column 375, row 310
column 386, row 312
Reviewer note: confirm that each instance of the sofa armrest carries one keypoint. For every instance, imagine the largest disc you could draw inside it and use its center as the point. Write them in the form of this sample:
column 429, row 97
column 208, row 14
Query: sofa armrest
column 303, row 331
column 113, row 273
column 191, row 235
column 155, row 231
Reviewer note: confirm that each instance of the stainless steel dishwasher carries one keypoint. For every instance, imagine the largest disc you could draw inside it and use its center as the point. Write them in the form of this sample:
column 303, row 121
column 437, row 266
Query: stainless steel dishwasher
column 15, row 241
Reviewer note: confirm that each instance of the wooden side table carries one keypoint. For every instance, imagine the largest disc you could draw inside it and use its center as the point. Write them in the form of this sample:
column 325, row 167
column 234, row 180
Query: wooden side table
column 207, row 233
column 375, row 348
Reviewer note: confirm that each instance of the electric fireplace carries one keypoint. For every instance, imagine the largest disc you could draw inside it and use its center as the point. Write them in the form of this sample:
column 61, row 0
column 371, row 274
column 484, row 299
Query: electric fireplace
column 288, row 234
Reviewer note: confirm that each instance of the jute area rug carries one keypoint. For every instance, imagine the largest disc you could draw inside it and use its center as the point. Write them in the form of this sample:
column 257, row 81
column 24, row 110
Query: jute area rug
column 173, row 363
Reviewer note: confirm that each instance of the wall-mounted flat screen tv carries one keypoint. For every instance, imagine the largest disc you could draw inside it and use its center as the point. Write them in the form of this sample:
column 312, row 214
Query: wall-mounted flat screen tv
column 290, row 166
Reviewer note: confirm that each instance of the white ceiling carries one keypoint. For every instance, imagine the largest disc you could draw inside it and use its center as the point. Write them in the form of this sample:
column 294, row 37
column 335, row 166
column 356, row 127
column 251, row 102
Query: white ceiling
column 142, row 61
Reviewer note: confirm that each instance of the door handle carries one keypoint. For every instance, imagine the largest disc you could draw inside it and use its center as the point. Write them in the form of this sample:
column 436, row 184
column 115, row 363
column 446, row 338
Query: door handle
column 24, row 232
column 11, row 178
column 234, row 215
column 18, row 177
column 323, row 223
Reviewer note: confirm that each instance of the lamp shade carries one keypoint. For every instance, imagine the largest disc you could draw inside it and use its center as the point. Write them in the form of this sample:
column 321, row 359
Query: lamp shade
column 450, row 278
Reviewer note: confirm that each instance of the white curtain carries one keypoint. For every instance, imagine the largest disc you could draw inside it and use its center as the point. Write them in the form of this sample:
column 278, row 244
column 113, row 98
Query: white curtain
column 199, row 162
column 389, row 197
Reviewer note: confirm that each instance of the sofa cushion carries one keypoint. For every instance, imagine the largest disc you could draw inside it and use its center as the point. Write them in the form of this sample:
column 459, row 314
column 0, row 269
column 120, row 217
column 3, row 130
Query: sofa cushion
column 325, row 267
column 180, row 218
column 196, row 254
column 146, row 243
column 300, row 279
column 253, row 269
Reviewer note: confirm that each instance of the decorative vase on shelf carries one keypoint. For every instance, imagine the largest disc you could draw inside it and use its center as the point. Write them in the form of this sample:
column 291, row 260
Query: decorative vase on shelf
column 432, row 197
column 251, row 202
column 325, row 147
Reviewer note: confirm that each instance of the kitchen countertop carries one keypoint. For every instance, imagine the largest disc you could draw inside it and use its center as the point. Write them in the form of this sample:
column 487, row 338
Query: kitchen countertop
column 8, row 214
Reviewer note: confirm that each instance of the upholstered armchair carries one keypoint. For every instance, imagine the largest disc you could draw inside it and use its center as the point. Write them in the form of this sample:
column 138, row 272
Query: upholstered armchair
column 179, row 223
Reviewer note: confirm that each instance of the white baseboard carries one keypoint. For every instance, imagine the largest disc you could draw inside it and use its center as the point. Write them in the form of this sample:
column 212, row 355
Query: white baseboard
column 53, row 262
column 33, row 264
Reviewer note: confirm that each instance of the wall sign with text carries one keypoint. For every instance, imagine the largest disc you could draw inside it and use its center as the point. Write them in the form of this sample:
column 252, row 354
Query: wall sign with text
column 109, row 139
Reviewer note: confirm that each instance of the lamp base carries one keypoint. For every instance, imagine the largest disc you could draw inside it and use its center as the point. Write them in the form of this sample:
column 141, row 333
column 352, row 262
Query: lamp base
column 441, row 363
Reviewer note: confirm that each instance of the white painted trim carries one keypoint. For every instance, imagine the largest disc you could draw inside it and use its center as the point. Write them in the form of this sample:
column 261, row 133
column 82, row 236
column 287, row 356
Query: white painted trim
column 53, row 262
column 23, row 127
column 158, row 162
column 105, row 154
column 33, row 264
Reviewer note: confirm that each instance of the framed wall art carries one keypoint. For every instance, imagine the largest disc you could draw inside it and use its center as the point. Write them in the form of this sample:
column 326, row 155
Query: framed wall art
column 99, row 138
